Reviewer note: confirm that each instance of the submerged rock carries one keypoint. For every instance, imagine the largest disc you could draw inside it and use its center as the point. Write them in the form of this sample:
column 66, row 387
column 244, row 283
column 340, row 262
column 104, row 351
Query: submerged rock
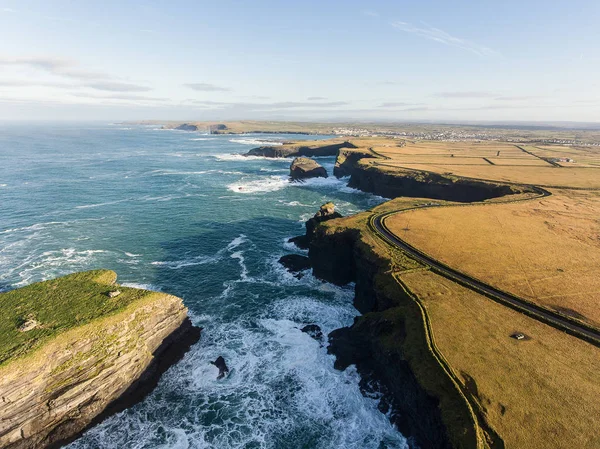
column 223, row 369
column 304, row 168
column 295, row 263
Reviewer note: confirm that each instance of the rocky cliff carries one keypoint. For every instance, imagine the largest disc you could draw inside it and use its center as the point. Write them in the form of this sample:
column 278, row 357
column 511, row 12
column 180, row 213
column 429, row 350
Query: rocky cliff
column 346, row 160
column 388, row 344
column 295, row 150
column 304, row 168
column 187, row 127
column 325, row 213
column 396, row 182
column 82, row 375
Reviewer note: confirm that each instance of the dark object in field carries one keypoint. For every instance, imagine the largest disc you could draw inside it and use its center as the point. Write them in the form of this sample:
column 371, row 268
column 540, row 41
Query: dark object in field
column 314, row 331
column 220, row 363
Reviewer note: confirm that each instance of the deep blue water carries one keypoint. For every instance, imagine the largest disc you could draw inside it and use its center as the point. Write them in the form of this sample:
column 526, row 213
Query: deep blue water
column 183, row 213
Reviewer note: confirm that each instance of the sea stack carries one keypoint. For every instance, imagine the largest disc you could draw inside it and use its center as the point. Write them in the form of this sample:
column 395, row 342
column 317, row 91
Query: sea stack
column 304, row 168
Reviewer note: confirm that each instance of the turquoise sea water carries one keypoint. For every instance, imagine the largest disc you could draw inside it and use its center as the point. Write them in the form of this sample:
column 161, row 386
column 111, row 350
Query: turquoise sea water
column 183, row 213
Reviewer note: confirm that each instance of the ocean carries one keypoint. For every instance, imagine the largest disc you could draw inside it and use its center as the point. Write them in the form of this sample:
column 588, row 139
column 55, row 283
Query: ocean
column 184, row 213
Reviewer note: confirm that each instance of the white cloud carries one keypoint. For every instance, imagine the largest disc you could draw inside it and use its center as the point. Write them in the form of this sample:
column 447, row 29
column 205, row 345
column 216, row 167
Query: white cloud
column 117, row 86
column 441, row 36
column 467, row 94
column 207, row 87
column 69, row 69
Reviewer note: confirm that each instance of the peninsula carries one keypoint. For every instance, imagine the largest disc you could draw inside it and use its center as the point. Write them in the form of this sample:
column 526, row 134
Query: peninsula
column 76, row 349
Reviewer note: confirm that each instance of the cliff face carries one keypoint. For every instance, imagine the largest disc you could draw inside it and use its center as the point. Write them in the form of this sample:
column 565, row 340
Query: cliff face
column 84, row 374
column 187, row 127
column 419, row 184
column 389, row 343
column 346, row 161
column 341, row 257
column 304, row 167
column 298, row 150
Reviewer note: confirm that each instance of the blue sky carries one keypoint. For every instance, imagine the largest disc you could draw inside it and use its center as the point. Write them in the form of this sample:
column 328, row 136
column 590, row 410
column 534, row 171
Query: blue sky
column 312, row 60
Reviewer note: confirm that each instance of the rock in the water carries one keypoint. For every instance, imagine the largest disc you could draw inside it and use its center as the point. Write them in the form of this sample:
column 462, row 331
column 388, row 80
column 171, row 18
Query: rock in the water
column 220, row 363
column 295, row 263
column 314, row 331
column 187, row 127
column 300, row 241
column 303, row 168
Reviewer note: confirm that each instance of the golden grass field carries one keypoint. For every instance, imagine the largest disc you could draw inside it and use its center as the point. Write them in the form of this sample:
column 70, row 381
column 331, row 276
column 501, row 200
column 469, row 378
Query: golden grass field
column 497, row 161
column 541, row 392
column 537, row 394
column 546, row 250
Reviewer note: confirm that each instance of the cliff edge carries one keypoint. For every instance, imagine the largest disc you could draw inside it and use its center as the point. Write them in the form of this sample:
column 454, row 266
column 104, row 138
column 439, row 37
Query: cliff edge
column 79, row 348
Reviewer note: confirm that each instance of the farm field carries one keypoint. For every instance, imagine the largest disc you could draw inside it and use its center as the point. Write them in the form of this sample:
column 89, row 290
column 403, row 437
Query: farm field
column 544, row 386
column 497, row 161
column 545, row 250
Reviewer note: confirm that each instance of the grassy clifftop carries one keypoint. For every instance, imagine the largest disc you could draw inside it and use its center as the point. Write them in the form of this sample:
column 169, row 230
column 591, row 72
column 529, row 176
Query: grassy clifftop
column 75, row 349
column 55, row 306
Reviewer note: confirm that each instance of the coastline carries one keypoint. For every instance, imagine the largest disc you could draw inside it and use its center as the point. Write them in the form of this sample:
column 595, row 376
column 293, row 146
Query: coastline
column 393, row 343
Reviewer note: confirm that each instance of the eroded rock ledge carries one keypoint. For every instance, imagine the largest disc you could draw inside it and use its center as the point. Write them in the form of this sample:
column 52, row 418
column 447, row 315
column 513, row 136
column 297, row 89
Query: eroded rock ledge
column 305, row 168
column 295, row 150
column 82, row 375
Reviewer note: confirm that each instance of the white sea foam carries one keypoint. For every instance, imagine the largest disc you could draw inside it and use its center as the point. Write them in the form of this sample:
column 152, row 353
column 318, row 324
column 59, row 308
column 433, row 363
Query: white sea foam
column 265, row 184
column 50, row 264
column 88, row 206
column 291, row 246
column 152, row 287
column 241, row 157
column 191, row 262
column 204, row 138
column 282, row 385
column 257, row 142
column 201, row 259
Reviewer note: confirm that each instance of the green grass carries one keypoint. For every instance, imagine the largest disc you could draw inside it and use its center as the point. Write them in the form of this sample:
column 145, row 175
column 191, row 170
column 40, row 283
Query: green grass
column 58, row 305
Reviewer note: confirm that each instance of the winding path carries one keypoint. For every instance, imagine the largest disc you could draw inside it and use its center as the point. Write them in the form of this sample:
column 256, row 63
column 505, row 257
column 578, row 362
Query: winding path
column 554, row 319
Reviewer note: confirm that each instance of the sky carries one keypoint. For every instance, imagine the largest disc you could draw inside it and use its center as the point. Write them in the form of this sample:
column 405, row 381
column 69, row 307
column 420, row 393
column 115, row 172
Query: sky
column 525, row 60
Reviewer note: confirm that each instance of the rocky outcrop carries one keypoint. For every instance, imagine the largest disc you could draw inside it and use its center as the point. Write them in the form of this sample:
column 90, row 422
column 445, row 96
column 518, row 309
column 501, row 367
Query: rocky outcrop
column 218, row 127
column 388, row 344
column 420, row 184
column 346, row 160
column 415, row 412
column 86, row 373
column 326, row 212
column 304, row 168
column 187, row 127
column 295, row 263
column 299, row 150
